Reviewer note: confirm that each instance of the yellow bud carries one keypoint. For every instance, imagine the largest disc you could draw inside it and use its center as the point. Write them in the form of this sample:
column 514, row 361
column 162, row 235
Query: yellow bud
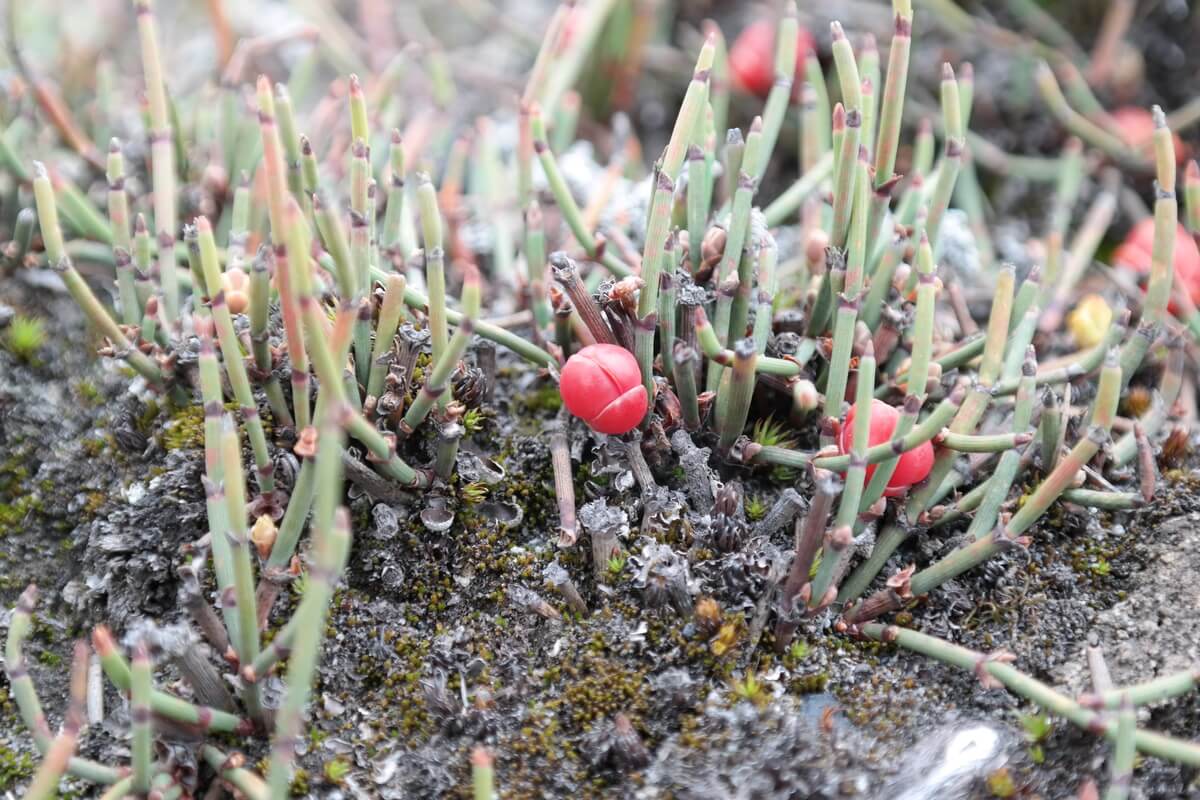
column 263, row 535
column 236, row 283
column 1089, row 320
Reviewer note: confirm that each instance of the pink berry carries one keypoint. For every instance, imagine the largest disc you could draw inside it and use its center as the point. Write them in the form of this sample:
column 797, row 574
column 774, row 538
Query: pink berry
column 602, row 385
column 913, row 466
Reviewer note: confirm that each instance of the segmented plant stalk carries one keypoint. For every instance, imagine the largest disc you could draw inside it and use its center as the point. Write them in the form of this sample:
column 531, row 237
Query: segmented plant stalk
column 699, row 201
column 231, row 770
column 718, row 90
column 1052, row 486
column 686, row 362
column 393, row 213
column 483, row 777
column 739, row 252
column 1166, row 212
column 808, row 533
column 437, row 380
column 333, row 237
column 235, row 366
column 391, row 313
column 871, row 81
column 706, row 338
column 566, row 201
column 202, row 718
column 118, row 218
column 922, row 355
column 162, row 155
column 1005, row 472
column 837, row 551
column 535, row 264
column 740, row 390
column 246, row 641
column 768, row 282
column 22, row 237
column 847, row 123
column 979, row 397
column 260, row 343
column 141, row 686
column 331, row 532
column 435, row 270
column 1191, row 197
column 564, row 489
column 848, row 302
column 891, row 114
column 667, row 313
column 214, row 410
column 781, row 90
column 847, row 68
column 952, row 155
column 52, row 238
column 1124, row 752
column 290, row 139
column 360, row 254
column 16, row 668
column 58, row 756
column 1076, row 123
column 382, row 450
column 566, row 274
column 996, row 666
column 663, row 201
column 1169, row 387
column 731, row 160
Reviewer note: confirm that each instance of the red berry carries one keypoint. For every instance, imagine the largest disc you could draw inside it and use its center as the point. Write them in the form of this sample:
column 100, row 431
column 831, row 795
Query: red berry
column 1135, row 253
column 912, row 467
column 1135, row 125
column 602, row 385
column 752, row 57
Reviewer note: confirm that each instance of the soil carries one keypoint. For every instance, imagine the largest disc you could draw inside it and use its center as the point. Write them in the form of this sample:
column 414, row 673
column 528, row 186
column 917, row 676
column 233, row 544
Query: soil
column 439, row 641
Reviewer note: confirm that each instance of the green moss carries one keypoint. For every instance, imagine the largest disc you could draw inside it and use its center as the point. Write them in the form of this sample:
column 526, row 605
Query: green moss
column 13, row 515
column 25, row 337
column 95, row 500
column 336, row 770
column 185, row 429
column 14, row 767
column 545, row 400
column 299, row 786
column 88, row 393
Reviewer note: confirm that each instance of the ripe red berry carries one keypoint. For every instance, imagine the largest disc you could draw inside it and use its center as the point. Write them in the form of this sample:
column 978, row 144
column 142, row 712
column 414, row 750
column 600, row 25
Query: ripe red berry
column 752, row 57
column 913, row 466
column 1136, row 251
column 602, row 385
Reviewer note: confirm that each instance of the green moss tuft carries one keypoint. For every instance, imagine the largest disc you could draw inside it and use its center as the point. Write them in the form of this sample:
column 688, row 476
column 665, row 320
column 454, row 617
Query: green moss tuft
column 25, row 337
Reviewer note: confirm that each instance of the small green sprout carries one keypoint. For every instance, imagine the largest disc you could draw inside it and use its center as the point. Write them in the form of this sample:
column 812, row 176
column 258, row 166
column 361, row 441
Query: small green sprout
column 770, row 432
column 756, row 508
column 1037, row 727
column 473, row 420
column 750, row 689
column 474, row 492
column 336, row 770
column 616, row 565
column 24, row 337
